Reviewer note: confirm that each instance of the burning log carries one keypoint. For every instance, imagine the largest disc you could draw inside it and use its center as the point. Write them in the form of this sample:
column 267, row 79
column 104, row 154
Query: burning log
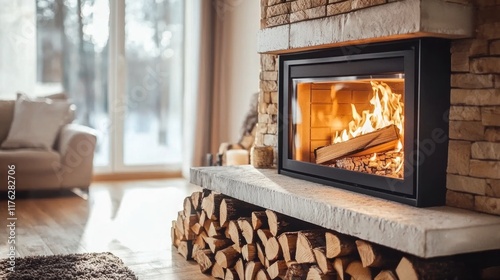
column 384, row 164
column 380, row 140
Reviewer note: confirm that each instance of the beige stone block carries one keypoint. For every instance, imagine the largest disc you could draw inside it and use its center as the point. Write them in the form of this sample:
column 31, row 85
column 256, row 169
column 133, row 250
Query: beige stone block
column 458, row 157
column 270, row 140
column 495, row 47
column 490, row 116
column 466, row 130
column 474, row 47
column 301, row 5
column 268, row 62
column 466, row 184
column 485, row 150
column 492, row 134
column 279, row 9
column 477, row 97
column 269, row 75
column 311, row 13
column 262, row 128
column 485, row 169
column 493, row 188
column 263, row 118
column 471, row 81
column 274, row 97
column 268, row 85
column 489, row 205
column 278, row 20
column 360, row 4
column 460, row 62
column 338, row 8
column 272, row 128
column 262, row 108
column 485, row 65
column 274, row 2
column 489, row 31
column 460, row 200
column 465, row 113
column 259, row 140
column 265, row 97
column 272, row 109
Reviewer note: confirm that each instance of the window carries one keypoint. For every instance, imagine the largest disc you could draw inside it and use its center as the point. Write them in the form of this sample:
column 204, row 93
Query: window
column 121, row 63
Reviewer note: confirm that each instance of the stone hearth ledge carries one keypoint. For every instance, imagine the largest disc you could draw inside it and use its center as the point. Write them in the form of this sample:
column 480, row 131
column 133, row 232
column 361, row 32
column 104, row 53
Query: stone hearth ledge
column 424, row 232
column 391, row 21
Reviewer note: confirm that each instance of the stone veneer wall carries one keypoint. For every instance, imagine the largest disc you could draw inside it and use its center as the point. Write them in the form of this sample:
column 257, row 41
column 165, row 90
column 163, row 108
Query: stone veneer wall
column 473, row 180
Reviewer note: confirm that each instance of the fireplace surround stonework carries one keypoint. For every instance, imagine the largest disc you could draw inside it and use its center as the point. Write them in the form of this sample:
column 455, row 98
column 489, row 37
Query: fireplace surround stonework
column 473, row 171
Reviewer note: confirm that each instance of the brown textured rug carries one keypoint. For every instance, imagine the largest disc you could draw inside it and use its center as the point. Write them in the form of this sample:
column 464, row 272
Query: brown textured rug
column 74, row 266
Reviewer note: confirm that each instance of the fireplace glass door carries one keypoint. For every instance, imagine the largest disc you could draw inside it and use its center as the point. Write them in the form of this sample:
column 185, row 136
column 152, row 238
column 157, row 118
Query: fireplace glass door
column 373, row 122
column 354, row 123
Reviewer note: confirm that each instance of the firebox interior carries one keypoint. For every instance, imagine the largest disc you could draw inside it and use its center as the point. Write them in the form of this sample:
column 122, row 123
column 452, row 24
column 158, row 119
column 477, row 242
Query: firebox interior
column 374, row 121
column 334, row 115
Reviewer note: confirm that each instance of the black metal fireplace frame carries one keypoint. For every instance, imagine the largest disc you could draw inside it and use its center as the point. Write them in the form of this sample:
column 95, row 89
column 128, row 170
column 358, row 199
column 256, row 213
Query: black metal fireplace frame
column 426, row 65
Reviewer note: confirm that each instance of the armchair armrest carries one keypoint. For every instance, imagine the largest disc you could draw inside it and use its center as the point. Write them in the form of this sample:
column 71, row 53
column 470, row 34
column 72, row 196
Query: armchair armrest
column 76, row 147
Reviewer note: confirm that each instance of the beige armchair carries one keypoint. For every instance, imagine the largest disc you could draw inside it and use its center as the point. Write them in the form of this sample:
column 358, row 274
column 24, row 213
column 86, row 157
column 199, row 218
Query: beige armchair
column 66, row 163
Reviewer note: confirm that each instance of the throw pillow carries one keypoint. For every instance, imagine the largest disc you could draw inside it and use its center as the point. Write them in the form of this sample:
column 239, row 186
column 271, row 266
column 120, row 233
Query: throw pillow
column 36, row 123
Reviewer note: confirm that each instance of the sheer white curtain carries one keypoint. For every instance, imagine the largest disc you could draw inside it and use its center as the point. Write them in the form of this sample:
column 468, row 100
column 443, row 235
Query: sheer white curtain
column 201, row 69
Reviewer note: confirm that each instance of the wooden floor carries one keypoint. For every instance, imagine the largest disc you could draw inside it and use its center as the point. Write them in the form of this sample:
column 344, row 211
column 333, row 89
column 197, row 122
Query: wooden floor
column 130, row 219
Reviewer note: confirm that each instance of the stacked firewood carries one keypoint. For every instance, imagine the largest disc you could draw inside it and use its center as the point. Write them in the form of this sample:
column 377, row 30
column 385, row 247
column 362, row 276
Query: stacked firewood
column 231, row 239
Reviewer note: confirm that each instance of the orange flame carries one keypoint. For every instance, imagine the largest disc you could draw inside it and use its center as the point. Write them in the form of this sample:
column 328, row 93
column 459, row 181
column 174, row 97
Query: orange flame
column 387, row 109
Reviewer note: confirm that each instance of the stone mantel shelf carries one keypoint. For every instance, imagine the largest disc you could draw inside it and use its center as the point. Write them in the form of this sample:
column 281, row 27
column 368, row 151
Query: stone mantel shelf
column 424, row 232
column 392, row 21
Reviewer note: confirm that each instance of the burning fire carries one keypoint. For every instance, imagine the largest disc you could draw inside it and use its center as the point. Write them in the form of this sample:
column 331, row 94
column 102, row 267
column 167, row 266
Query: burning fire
column 387, row 109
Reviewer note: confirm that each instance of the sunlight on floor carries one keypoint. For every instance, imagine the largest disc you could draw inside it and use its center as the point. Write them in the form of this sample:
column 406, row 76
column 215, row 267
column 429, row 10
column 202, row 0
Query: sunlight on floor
column 133, row 217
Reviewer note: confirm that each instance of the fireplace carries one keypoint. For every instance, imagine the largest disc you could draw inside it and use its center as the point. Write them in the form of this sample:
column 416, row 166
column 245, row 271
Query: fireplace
column 372, row 120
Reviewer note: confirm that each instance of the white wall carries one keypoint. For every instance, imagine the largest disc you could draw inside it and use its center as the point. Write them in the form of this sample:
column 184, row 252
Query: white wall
column 18, row 47
column 240, row 64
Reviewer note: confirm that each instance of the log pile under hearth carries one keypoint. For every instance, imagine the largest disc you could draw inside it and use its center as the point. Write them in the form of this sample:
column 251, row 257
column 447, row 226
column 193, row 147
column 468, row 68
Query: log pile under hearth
column 231, row 239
